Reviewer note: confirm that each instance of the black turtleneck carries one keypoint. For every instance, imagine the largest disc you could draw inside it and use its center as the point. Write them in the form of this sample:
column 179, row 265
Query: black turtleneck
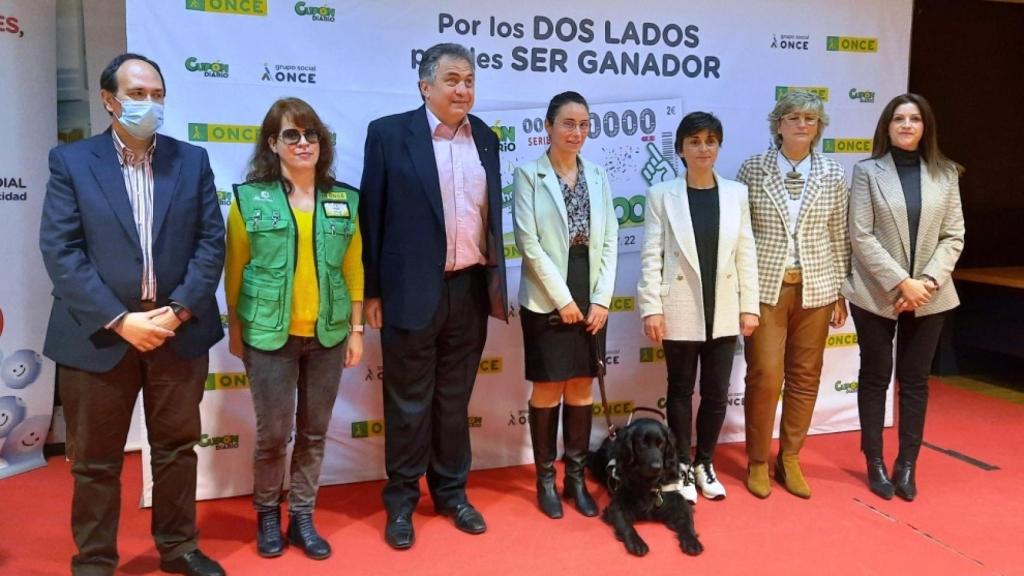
column 908, row 165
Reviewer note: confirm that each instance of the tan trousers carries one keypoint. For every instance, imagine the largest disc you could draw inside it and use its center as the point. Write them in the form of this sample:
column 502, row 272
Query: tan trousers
column 789, row 345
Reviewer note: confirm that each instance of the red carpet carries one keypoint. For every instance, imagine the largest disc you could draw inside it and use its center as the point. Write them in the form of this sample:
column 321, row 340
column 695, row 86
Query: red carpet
column 966, row 520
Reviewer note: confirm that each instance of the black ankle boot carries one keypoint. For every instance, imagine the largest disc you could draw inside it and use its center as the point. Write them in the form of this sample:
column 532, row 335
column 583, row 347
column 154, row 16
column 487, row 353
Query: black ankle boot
column 544, row 434
column 903, row 477
column 576, row 422
column 302, row 534
column 878, row 479
column 269, row 540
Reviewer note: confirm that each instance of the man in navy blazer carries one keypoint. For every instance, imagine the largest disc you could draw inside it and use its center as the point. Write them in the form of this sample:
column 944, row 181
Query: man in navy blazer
column 435, row 269
column 133, row 240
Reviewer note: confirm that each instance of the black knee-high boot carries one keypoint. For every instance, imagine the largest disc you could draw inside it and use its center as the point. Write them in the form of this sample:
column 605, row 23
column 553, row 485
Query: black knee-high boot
column 576, row 424
column 544, row 434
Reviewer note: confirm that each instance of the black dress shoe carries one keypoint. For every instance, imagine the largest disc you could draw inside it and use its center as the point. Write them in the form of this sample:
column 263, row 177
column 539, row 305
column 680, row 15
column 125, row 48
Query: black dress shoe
column 466, row 518
column 269, row 540
column 303, row 534
column 878, row 479
column 399, row 533
column 193, row 563
column 903, row 477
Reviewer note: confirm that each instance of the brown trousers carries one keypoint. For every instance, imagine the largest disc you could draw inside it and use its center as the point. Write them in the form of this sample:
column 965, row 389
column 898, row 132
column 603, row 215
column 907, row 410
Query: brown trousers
column 98, row 409
column 788, row 345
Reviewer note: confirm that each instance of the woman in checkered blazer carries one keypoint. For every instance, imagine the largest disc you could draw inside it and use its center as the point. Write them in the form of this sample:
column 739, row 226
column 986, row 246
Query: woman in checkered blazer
column 906, row 231
column 798, row 201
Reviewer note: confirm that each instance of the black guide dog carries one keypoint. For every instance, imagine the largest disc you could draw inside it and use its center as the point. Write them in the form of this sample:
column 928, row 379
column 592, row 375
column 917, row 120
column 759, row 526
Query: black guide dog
column 642, row 481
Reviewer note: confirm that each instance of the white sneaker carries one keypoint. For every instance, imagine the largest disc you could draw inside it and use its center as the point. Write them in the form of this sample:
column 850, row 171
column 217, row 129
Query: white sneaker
column 708, row 482
column 686, row 483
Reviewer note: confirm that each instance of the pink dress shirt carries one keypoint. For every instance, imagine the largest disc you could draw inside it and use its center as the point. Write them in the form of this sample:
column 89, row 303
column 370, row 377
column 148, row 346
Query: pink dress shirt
column 463, row 193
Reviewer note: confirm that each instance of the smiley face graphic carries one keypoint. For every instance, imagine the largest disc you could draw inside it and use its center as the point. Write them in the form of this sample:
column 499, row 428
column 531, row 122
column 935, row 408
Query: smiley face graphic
column 20, row 369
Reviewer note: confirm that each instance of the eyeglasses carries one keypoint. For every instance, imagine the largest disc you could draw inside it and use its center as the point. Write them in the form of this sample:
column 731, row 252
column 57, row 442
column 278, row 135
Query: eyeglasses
column 292, row 136
column 808, row 119
column 570, row 126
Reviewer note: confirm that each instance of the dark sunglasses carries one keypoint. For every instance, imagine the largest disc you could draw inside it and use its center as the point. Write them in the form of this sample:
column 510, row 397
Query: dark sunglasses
column 292, row 136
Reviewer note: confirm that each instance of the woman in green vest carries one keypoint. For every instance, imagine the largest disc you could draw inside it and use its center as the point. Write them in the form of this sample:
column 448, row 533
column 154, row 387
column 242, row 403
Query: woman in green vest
column 294, row 288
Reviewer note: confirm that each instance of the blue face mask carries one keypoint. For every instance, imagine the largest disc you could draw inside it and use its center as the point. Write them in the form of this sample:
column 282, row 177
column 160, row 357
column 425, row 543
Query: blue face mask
column 141, row 118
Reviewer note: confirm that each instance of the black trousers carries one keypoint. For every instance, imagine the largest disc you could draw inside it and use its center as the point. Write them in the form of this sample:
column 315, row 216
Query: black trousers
column 428, row 380
column 681, row 358
column 98, row 411
column 916, row 337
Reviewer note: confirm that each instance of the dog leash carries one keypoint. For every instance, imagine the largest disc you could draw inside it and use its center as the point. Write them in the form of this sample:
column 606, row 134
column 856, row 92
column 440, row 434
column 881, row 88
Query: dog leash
column 555, row 319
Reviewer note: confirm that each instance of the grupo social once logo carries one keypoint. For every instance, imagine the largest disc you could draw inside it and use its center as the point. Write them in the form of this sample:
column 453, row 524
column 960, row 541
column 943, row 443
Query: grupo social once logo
column 615, row 408
column 12, row 188
column 791, row 41
column 367, row 428
column 652, row 354
column 623, row 304
column 491, row 365
column 289, row 73
column 841, row 340
column 316, row 13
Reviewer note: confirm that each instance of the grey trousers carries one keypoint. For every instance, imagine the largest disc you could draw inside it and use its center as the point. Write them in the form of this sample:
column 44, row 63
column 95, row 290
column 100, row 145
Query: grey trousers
column 294, row 384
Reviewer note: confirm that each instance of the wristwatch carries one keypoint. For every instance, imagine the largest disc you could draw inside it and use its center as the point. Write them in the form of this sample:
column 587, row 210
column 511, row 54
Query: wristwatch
column 357, row 328
column 181, row 312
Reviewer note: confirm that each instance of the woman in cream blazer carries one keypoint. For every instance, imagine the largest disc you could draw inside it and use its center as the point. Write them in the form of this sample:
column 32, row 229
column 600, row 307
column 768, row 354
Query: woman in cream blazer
column 698, row 291
column 567, row 232
column 906, row 233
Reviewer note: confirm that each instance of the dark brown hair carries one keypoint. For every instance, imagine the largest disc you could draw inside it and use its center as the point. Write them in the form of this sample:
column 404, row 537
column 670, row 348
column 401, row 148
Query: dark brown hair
column 937, row 161
column 265, row 166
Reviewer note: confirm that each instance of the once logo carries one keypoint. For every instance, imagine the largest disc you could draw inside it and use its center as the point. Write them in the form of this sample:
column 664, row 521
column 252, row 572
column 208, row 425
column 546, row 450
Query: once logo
column 842, row 340
column 227, row 381
column 225, row 442
column 318, row 13
column 846, row 145
column 242, row 7
column 617, row 408
column 225, row 133
column 652, row 354
column 790, row 41
column 623, row 304
column 289, row 73
column 819, row 91
column 476, row 421
column 518, row 419
column 490, row 365
column 735, row 399
column 851, row 44
column 367, row 428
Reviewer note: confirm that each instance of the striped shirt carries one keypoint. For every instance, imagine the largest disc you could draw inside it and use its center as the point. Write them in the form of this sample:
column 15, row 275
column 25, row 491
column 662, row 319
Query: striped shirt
column 138, row 181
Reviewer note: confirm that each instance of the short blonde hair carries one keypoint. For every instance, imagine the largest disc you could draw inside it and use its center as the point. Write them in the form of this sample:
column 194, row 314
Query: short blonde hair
column 797, row 101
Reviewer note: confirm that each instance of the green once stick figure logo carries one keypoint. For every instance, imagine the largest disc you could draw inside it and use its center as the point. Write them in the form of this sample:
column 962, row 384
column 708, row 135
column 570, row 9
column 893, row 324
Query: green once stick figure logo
column 657, row 168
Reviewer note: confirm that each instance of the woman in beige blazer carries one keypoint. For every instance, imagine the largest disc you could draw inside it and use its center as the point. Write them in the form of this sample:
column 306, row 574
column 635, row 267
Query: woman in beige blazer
column 698, row 291
column 567, row 232
column 906, row 232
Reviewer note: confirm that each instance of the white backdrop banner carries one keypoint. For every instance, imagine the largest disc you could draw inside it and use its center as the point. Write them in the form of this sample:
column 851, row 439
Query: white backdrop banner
column 228, row 60
column 28, row 97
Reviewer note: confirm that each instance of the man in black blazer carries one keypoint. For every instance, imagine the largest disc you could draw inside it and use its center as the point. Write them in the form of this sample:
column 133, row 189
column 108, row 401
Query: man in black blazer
column 133, row 240
column 430, row 213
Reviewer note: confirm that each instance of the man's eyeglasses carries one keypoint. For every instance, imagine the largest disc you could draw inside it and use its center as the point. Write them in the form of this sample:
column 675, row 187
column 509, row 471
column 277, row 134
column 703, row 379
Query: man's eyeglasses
column 292, row 136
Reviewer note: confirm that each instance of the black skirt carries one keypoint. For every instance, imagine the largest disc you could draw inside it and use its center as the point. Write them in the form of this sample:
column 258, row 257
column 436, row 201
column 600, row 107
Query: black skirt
column 558, row 352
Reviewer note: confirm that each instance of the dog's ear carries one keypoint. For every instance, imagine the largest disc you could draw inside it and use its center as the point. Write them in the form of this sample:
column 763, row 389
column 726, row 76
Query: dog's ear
column 670, row 457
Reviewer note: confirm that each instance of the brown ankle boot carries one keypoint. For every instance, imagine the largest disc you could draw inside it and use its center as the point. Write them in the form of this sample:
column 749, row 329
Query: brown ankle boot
column 787, row 471
column 757, row 479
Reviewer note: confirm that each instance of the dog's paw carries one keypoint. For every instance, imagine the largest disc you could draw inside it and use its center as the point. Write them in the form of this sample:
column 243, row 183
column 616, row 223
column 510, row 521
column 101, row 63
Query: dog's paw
column 691, row 546
column 636, row 546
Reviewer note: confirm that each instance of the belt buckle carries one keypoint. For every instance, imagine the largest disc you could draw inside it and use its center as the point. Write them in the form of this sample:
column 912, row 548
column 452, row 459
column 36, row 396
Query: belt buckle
column 793, row 276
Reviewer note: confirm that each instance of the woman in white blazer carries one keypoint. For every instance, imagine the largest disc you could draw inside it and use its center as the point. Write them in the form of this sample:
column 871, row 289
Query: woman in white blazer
column 698, row 291
column 567, row 232
column 906, row 232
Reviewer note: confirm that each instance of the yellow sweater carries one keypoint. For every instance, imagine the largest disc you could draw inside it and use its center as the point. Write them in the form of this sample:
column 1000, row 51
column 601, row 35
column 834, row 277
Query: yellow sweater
column 305, row 293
